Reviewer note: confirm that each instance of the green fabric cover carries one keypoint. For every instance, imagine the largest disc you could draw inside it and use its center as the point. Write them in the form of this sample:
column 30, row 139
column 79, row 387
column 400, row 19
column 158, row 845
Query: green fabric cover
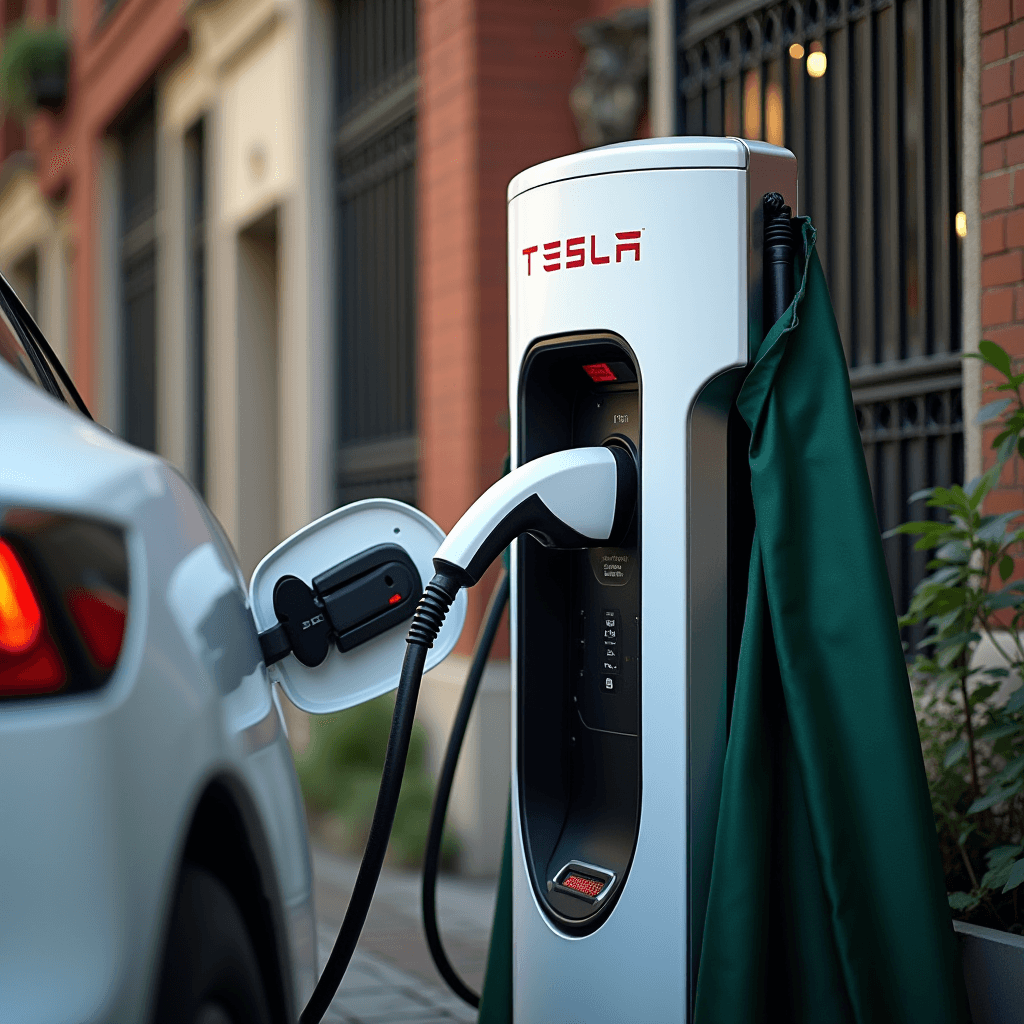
column 496, row 998
column 827, row 899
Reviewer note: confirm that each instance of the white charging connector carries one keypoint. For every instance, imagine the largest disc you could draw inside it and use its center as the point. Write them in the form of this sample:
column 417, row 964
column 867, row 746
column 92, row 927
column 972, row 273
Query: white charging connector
column 578, row 498
column 582, row 497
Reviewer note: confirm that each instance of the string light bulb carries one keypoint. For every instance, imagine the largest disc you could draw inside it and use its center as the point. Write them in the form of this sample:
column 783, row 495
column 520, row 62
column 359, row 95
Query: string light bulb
column 796, row 51
column 961, row 224
column 816, row 63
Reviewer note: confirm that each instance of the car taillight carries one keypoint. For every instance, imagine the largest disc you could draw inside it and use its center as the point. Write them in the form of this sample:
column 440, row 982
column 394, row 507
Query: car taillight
column 63, row 603
column 29, row 662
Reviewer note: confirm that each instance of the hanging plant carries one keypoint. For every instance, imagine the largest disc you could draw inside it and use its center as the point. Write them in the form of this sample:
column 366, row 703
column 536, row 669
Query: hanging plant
column 34, row 69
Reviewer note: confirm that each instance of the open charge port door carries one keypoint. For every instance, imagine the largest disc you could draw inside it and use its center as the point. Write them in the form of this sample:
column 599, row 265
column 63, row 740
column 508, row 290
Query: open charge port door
column 579, row 649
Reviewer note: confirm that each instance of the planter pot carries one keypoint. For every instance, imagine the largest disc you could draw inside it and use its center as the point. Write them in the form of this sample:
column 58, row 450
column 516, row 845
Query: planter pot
column 49, row 89
column 994, row 972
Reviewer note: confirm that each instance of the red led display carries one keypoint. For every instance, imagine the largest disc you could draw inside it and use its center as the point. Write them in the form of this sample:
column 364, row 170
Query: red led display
column 588, row 886
column 599, row 373
column 394, row 598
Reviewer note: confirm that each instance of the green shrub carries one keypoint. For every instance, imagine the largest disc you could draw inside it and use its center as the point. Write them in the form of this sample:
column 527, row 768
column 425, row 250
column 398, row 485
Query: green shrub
column 340, row 770
column 32, row 56
column 972, row 735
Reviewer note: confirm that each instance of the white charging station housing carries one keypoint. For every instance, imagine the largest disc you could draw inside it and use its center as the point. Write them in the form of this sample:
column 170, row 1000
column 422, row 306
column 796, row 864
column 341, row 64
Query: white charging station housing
column 643, row 259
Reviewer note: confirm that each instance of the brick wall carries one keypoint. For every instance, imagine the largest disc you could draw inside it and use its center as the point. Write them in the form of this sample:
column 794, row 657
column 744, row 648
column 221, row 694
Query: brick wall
column 1001, row 197
column 494, row 86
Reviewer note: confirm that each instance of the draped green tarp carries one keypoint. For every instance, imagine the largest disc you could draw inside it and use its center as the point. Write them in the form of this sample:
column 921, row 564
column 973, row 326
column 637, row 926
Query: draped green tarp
column 496, row 998
column 827, row 899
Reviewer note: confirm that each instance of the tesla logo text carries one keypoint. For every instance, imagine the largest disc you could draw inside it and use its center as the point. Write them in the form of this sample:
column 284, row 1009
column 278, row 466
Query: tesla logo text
column 627, row 244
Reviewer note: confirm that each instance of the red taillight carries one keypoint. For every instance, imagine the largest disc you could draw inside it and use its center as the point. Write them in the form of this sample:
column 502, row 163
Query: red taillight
column 100, row 619
column 20, row 618
column 29, row 661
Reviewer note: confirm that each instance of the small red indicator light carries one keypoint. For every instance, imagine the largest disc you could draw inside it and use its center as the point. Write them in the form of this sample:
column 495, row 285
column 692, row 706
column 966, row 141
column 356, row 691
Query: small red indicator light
column 588, row 886
column 394, row 598
column 599, row 373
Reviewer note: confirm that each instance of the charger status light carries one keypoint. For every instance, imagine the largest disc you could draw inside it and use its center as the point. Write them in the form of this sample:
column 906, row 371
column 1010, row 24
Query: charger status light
column 588, row 886
column 599, row 373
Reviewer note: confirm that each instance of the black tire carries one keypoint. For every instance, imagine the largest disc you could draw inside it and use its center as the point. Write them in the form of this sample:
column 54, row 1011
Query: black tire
column 210, row 973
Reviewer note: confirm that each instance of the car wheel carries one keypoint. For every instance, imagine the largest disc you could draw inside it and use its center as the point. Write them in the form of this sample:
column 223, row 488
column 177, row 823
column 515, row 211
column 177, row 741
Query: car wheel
column 210, row 974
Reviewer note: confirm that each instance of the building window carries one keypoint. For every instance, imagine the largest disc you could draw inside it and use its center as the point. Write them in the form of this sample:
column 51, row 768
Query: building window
column 375, row 188
column 138, row 276
column 867, row 95
column 195, row 285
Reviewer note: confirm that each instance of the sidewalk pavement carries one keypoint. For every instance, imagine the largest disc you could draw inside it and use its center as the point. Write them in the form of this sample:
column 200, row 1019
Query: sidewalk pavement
column 392, row 977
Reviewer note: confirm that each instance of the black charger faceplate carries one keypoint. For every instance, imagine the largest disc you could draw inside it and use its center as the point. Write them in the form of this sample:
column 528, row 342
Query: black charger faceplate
column 579, row 699
column 353, row 602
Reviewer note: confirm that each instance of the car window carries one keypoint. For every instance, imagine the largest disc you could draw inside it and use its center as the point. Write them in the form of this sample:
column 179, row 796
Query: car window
column 15, row 354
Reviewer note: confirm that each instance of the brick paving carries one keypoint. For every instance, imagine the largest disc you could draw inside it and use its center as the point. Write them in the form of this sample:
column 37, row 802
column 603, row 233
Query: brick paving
column 391, row 977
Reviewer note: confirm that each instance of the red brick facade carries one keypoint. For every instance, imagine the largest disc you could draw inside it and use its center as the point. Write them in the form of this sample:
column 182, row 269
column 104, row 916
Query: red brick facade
column 1001, row 196
column 113, row 56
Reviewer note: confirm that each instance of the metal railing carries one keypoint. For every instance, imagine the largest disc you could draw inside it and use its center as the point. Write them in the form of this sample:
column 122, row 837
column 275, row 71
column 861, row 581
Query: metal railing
column 874, row 123
column 375, row 178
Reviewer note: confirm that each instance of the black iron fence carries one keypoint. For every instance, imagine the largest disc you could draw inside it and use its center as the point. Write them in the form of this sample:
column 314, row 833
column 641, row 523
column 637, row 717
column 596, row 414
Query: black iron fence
column 867, row 95
column 375, row 172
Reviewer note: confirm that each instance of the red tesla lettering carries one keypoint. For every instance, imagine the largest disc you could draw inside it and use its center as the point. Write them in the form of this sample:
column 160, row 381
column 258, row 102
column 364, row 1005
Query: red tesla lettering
column 529, row 253
column 574, row 247
column 633, row 247
column 552, row 251
column 594, row 258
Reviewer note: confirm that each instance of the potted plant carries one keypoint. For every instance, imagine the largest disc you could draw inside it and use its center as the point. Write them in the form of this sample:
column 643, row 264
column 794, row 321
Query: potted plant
column 34, row 68
column 970, row 708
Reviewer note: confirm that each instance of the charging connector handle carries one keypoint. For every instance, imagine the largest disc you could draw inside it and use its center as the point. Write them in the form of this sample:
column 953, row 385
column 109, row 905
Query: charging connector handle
column 577, row 498
column 582, row 497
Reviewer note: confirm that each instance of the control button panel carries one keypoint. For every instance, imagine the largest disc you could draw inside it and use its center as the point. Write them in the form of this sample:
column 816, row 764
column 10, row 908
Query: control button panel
column 606, row 675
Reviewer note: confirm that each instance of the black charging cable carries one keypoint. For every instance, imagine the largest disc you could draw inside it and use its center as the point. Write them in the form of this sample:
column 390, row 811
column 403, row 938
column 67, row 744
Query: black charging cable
column 432, row 855
column 438, row 597
column 546, row 497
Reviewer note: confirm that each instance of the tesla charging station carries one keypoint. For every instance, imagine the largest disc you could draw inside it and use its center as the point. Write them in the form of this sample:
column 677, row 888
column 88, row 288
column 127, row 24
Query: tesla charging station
column 634, row 303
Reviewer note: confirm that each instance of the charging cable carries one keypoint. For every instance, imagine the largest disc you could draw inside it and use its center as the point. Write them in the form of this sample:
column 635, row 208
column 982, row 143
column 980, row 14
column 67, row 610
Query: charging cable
column 432, row 854
column 578, row 498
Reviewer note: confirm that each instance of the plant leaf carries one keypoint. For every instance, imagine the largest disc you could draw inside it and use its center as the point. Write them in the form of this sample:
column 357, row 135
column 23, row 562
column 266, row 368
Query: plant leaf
column 962, row 900
column 954, row 753
column 1005, row 567
column 989, row 412
column 1006, row 448
column 994, row 795
column 995, row 355
column 1015, row 877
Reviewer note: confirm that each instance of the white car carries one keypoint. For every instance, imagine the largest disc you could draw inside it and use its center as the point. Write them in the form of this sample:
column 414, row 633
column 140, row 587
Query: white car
column 154, row 863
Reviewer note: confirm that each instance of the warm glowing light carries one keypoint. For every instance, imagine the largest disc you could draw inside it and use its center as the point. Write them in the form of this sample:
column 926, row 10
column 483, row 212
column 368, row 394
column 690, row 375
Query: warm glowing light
column 773, row 115
column 20, row 618
column 816, row 64
column 752, row 106
column 961, row 224
column 796, row 51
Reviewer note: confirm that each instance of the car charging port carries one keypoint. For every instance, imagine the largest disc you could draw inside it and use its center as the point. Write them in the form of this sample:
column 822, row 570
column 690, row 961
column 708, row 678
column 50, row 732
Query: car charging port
column 348, row 605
